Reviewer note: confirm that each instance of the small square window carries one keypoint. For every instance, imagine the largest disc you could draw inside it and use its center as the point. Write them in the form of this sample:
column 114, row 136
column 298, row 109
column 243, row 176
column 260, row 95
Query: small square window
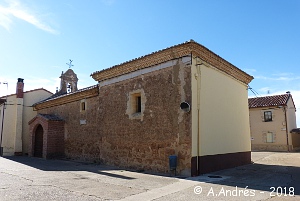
column 136, row 104
column 268, row 116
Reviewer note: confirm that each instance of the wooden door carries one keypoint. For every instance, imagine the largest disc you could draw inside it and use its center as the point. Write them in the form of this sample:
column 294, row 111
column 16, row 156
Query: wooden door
column 38, row 143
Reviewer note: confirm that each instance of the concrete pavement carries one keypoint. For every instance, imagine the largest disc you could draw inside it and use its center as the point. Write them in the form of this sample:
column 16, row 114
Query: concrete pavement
column 25, row 178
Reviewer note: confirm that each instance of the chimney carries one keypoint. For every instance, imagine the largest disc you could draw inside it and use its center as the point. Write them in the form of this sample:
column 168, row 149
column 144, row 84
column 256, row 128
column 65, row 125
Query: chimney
column 20, row 88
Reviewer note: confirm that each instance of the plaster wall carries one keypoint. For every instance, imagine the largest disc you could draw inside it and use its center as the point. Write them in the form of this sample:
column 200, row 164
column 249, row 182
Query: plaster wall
column 9, row 128
column 291, row 115
column 29, row 99
column 18, row 113
column 260, row 128
column 291, row 120
column 224, row 116
column 18, row 125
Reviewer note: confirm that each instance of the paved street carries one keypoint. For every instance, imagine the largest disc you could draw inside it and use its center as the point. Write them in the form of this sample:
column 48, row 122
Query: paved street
column 24, row 178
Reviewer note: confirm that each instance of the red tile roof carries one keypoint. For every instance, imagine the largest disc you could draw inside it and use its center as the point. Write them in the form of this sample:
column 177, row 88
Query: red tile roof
column 295, row 130
column 2, row 101
column 50, row 117
column 267, row 101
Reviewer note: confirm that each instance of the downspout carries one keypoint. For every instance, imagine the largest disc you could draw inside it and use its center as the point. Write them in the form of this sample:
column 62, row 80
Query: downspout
column 198, row 77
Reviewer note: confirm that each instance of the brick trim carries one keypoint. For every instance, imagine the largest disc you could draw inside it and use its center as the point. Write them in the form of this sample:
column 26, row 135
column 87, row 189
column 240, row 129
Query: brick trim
column 53, row 136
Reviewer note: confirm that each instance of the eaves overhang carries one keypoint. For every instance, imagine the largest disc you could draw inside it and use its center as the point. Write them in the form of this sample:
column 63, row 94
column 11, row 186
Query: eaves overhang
column 68, row 98
column 188, row 48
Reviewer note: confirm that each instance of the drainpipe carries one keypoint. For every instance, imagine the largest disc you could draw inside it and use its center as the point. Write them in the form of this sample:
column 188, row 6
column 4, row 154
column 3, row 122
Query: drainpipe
column 198, row 77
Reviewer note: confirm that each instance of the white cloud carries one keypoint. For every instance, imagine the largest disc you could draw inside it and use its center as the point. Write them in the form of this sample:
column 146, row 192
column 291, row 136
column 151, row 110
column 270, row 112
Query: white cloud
column 5, row 20
column 264, row 89
column 17, row 10
column 280, row 78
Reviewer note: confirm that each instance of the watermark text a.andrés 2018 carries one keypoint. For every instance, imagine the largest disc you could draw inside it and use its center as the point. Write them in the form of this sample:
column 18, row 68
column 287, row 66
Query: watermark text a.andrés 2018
column 245, row 192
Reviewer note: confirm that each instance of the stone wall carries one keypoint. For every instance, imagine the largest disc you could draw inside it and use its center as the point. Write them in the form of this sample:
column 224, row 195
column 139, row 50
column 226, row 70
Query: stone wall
column 107, row 133
column 162, row 131
column 82, row 141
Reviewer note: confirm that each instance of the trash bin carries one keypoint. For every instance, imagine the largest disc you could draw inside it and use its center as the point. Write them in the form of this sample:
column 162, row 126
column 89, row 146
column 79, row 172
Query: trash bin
column 173, row 162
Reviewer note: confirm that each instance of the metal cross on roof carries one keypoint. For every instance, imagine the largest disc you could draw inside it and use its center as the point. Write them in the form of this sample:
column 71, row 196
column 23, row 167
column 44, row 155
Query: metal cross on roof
column 70, row 64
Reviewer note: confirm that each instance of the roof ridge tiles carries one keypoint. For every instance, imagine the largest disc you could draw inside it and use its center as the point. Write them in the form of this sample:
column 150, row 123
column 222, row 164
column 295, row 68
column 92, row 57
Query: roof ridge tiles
column 267, row 101
column 170, row 53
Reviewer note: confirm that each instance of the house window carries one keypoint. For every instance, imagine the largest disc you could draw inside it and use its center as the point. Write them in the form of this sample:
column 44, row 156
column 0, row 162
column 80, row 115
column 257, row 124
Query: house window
column 270, row 137
column 83, row 106
column 268, row 116
column 138, row 103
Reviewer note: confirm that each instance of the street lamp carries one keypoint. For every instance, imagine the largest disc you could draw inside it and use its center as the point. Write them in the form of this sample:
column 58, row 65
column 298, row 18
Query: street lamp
column 2, row 122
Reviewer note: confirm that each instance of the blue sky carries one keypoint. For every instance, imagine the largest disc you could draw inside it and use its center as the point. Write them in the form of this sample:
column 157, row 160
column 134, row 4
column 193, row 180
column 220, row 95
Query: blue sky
column 37, row 38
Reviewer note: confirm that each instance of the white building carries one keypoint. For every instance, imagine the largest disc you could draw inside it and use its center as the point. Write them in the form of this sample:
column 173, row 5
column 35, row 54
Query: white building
column 15, row 112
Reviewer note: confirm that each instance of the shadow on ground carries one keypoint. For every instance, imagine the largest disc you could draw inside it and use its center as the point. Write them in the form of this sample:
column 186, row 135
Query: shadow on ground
column 65, row 165
column 260, row 177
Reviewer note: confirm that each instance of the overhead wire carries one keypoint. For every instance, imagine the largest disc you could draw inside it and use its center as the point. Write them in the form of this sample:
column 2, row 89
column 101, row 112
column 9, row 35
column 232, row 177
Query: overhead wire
column 253, row 91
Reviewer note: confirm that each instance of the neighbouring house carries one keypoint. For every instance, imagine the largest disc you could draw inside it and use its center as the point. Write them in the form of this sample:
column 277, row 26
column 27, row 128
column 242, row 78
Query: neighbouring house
column 182, row 101
column 272, row 118
column 2, row 101
column 16, row 112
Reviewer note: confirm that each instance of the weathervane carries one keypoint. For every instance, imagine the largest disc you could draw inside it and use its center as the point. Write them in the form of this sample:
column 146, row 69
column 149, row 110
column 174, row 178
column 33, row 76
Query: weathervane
column 70, row 64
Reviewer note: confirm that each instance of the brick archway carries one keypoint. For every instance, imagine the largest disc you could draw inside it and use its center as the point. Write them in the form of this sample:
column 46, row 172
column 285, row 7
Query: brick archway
column 38, row 142
column 46, row 136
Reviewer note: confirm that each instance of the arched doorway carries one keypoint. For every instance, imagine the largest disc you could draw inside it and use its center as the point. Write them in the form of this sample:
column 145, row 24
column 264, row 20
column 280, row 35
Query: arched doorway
column 47, row 139
column 38, row 142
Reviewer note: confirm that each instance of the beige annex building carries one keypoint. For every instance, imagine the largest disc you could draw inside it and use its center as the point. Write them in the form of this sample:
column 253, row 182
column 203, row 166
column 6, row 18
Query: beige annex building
column 16, row 111
column 272, row 119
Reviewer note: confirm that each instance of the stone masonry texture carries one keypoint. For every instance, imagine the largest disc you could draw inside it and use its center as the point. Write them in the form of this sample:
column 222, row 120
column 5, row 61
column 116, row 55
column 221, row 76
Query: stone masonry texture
column 109, row 136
